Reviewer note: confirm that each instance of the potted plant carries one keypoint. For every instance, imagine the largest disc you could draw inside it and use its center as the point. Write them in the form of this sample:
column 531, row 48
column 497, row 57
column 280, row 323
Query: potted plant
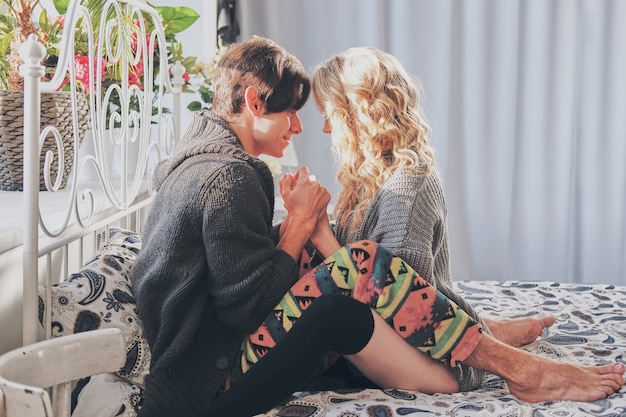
column 23, row 17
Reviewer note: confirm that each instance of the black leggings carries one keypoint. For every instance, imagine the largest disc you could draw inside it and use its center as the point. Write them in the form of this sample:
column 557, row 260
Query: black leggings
column 332, row 323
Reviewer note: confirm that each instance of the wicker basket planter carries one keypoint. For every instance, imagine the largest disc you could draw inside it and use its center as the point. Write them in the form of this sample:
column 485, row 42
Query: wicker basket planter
column 56, row 110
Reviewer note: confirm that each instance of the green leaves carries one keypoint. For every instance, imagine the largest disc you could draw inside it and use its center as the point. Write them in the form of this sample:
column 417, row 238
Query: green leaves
column 176, row 19
column 61, row 5
column 6, row 23
column 94, row 6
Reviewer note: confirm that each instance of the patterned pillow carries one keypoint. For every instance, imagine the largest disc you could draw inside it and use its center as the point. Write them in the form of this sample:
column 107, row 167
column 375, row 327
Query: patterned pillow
column 99, row 296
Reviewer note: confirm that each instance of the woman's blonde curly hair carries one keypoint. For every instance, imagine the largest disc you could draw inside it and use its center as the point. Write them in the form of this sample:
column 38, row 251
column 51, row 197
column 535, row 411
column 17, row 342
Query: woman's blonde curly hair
column 373, row 108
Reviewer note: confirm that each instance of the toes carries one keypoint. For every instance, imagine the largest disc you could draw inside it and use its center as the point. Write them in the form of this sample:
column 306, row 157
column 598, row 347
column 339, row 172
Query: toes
column 612, row 390
column 548, row 321
column 614, row 368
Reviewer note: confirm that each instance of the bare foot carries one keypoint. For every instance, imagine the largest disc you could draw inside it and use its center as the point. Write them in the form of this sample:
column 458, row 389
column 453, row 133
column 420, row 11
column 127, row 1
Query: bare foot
column 546, row 380
column 519, row 332
column 533, row 378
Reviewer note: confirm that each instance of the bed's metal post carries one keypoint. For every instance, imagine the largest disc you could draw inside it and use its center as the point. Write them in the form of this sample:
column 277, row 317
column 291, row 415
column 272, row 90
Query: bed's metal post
column 32, row 52
column 178, row 70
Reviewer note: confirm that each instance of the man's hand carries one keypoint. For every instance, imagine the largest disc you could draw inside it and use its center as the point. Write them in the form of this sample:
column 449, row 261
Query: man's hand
column 305, row 201
column 304, row 197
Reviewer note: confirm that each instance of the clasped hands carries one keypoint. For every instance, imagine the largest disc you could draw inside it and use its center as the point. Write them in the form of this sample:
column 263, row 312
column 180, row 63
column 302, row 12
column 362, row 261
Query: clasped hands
column 305, row 199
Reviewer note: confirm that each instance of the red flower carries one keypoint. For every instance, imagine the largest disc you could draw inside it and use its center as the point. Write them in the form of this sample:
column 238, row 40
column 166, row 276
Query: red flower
column 135, row 73
column 134, row 44
column 81, row 66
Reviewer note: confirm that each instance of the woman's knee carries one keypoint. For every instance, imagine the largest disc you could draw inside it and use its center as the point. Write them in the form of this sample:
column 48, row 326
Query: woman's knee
column 328, row 306
column 347, row 323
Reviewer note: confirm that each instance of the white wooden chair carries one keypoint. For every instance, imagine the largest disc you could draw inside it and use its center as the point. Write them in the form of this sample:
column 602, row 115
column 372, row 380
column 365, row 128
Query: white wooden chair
column 26, row 373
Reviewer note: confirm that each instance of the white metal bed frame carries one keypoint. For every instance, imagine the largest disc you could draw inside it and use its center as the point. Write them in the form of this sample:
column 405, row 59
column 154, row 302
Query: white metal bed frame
column 81, row 233
column 122, row 198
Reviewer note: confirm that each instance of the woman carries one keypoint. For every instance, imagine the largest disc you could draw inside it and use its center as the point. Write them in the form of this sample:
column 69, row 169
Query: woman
column 391, row 194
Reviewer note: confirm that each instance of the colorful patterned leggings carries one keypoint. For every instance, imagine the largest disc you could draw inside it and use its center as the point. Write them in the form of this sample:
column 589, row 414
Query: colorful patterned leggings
column 368, row 272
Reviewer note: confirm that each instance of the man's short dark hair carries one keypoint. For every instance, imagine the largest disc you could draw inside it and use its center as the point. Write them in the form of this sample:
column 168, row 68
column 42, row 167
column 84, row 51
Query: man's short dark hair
column 279, row 77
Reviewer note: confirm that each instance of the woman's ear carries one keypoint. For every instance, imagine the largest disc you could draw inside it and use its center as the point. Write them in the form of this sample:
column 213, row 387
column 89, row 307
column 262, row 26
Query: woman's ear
column 253, row 102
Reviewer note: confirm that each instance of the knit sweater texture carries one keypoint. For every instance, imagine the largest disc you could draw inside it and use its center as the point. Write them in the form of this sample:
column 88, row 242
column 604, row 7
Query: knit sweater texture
column 409, row 217
column 209, row 271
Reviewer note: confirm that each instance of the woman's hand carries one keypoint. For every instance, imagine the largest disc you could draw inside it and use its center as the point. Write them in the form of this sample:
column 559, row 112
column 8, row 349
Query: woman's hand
column 323, row 238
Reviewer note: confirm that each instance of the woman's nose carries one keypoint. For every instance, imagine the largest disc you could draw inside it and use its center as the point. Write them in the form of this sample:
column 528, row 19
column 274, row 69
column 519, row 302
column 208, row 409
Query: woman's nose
column 326, row 126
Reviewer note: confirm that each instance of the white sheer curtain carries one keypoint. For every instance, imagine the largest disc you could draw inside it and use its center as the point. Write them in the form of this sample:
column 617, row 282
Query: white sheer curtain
column 527, row 104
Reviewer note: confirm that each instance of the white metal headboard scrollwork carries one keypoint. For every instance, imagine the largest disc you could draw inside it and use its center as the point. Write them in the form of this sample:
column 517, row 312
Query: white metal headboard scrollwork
column 139, row 119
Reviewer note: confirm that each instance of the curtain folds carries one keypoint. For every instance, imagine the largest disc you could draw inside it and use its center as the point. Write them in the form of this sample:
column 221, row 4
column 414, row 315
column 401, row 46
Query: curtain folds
column 527, row 104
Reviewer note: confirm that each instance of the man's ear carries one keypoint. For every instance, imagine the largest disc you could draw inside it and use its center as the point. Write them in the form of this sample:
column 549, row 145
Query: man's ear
column 254, row 105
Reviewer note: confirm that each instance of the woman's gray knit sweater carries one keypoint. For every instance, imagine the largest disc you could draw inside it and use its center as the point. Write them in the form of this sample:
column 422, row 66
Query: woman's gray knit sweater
column 409, row 217
column 209, row 270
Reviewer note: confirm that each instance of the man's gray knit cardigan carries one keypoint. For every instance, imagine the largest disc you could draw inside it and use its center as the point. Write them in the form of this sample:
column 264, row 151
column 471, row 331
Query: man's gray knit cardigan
column 209, row 270
column 409, row 217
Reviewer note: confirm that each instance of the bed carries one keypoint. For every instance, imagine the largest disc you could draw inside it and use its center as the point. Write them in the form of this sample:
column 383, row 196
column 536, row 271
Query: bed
column 77, row 293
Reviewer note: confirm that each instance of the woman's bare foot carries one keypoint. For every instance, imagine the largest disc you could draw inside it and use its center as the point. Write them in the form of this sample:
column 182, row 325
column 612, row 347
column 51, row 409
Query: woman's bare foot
column 546, row 380
column 519, row 332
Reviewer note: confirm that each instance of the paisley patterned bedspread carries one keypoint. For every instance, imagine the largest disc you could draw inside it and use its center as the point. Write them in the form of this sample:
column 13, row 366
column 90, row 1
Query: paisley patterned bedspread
column 590, row 329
